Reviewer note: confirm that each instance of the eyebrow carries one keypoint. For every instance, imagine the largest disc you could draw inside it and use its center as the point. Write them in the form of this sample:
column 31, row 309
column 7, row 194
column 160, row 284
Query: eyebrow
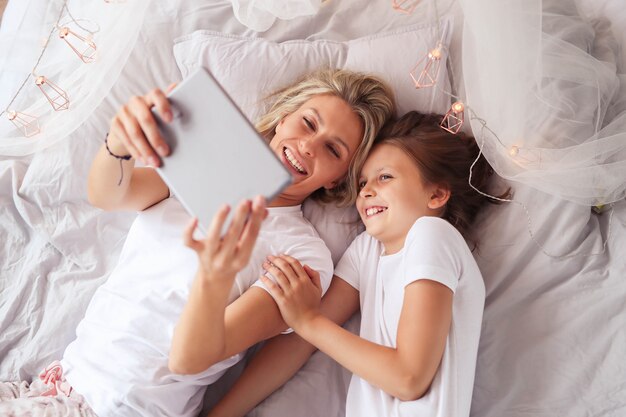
column 337, row 138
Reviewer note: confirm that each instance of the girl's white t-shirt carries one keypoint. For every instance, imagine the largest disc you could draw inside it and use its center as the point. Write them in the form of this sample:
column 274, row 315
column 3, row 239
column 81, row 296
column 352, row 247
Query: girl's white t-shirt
column 433, row 250
column 119, row 360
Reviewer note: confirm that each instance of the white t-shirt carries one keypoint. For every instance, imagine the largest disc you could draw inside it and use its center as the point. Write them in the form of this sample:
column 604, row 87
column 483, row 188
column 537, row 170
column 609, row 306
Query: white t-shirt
column 118, row 361
column 433, row 250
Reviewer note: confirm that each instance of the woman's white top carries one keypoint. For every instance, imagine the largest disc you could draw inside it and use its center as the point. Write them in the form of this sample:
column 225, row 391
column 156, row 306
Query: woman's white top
column 433, row 250
column 119, row 360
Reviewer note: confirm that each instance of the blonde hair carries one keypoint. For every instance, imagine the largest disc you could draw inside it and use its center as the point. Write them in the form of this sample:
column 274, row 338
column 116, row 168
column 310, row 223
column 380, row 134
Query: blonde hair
column 370, row 99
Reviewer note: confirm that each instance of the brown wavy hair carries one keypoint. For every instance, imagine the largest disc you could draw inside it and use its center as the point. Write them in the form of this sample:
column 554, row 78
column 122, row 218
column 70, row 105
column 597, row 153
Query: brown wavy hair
column 444, row 159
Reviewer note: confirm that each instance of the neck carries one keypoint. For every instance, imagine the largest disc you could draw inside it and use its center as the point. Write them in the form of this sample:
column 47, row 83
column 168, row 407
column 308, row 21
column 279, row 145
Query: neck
column 283, row 200
column 392, row 246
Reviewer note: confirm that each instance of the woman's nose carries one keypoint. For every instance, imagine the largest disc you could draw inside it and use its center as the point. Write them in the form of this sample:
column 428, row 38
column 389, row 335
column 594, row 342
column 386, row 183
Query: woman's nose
column 307, row 146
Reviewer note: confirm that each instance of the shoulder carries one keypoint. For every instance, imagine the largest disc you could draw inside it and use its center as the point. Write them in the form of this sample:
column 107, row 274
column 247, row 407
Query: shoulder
column 427, row 225
column 434, row 249
column 434, row 232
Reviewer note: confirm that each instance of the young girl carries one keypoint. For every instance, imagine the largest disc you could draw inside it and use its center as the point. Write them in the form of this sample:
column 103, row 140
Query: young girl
column 118, row 364
column 411, row 273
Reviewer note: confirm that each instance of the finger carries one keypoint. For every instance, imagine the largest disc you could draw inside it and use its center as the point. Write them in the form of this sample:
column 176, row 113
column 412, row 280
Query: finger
column 136, row 136
column 190, row 242
column 315, row 277
column 274, row 288
column 141, row 110
column 252, row 227
column 231, row 238
column 170, row 88
column 284, row 267
column 215, row 230
column 295, row 265
column 278, row 275
column 117, row 130
column 159, row 100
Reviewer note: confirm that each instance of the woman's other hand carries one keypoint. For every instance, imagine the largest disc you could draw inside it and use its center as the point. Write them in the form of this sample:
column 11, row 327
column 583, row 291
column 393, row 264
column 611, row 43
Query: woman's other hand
column 221, row 258
column 134, row 130
column 297, row 289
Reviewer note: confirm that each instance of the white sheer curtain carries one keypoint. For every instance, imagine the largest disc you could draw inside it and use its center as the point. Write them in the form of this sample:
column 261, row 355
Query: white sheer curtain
column 260, row 15
column 85, row 84
column 549, row 85
column 545, row 91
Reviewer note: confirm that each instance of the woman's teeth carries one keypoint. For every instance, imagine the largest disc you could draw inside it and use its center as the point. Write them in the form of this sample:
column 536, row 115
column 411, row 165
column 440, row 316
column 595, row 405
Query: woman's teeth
column 374, row 210
column 293, row 161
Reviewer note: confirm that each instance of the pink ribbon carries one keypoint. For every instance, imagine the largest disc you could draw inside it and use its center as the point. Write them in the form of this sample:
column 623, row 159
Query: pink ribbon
column 52, row 376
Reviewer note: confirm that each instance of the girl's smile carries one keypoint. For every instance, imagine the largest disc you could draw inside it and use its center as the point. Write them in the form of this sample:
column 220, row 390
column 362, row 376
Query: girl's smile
column 393, row 195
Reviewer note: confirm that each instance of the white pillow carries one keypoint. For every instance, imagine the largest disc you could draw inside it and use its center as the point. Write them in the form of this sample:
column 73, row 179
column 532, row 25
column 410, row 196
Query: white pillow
column 250, row 69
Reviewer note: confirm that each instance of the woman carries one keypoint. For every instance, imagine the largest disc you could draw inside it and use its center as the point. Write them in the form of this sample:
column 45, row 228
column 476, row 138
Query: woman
column 118, row 365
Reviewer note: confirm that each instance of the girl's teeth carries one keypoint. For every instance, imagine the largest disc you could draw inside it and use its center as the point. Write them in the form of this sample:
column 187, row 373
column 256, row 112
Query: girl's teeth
column 372, row 211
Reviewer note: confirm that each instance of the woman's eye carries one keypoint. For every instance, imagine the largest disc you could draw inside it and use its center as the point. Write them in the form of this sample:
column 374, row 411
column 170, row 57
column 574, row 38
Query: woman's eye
column 308, row 123
column 334, row 151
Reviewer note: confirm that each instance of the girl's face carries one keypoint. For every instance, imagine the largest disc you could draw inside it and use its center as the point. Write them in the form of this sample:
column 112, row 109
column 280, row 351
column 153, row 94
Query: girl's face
column 393, row 195
column 316, row 144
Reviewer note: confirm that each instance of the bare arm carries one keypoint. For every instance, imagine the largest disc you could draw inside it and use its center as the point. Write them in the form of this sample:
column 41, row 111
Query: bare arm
column 133, row 132
column 207, row 330
column 405, row 371
column 283, row 356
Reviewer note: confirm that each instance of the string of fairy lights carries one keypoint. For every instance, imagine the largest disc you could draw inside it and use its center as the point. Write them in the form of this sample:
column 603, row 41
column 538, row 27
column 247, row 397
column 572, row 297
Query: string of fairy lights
column 425, row 74
column 79, row 39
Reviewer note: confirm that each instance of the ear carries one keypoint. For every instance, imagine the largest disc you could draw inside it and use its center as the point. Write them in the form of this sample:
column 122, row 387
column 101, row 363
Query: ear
column 439, row 197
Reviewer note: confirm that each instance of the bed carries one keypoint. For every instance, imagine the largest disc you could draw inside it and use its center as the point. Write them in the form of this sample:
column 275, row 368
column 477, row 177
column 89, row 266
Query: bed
column 553, row 338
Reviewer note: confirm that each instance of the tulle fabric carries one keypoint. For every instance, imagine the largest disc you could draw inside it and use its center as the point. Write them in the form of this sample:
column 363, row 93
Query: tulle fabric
column 547, row 97
column 260, row 15
column 544, row 86
column 117, row 26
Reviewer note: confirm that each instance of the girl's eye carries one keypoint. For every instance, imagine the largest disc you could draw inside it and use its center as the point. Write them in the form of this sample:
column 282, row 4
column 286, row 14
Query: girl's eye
column 333, row 151
column 361, row 184
column 384, row 177
column 308, row 123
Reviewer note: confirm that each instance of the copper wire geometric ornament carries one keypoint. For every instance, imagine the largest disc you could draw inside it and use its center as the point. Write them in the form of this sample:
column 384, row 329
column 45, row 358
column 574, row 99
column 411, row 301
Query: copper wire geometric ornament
column 453, row 120
column 429, row 64
column 83, row 47
column 404, row 6
column 56, row 95
column 25, row 122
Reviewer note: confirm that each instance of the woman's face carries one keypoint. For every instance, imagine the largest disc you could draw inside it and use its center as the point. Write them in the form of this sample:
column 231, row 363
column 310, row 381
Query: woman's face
column 316, row 144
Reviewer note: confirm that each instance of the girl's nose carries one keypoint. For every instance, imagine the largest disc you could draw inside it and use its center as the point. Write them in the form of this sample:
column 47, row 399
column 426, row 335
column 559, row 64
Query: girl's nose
column 367, row 191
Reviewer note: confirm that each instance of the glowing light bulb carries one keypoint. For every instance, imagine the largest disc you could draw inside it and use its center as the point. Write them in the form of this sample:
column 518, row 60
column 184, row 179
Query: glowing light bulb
column 435, row 54
column 458, row 107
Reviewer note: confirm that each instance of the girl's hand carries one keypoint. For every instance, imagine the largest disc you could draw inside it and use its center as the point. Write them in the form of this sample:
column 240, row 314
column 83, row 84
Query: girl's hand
column 134, row 130
column 221, row 258
column 297, row 290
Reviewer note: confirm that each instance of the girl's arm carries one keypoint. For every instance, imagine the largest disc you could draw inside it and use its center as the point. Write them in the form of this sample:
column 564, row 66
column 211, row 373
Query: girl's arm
column 406, row 371
column 281, row 357
column 115, row 184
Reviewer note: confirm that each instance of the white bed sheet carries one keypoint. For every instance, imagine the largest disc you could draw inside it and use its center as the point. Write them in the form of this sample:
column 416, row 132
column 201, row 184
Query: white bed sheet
column 554, row 331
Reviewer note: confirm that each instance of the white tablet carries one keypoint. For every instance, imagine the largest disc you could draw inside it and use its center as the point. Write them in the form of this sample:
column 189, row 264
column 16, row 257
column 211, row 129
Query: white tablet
column 217, row 156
